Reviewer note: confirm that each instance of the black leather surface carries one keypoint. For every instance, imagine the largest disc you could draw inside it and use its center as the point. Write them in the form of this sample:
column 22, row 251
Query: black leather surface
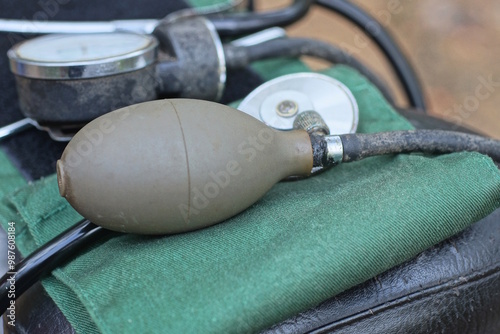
column 38, row 314
column 453, row 287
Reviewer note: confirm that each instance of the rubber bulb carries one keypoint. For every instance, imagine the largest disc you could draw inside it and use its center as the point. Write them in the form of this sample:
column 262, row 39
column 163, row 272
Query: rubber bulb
column 173, row 166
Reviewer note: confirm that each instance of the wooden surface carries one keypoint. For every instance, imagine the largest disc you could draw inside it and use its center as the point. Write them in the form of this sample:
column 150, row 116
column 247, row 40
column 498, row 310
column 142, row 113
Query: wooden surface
column 454, row 46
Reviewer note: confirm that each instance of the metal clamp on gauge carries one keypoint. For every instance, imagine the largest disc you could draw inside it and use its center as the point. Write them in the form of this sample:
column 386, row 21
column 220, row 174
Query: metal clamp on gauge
column 65, row 81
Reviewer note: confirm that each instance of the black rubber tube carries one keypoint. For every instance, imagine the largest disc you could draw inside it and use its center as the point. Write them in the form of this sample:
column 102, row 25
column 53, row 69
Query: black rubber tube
column 231, row 25
column 360, row 146
column 250, row 5
column 42, row 261
column 383, row 39
column 239, row 57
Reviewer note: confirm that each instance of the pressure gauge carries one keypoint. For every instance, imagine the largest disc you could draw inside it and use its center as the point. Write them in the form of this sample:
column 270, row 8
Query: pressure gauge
column 82, row 56
column 278, row 102
column 64, row 81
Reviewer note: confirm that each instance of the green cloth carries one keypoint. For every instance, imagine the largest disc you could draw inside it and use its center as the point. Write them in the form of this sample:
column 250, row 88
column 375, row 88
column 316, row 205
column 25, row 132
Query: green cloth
column 302, row 243
column 10, row 178
column 208, row 3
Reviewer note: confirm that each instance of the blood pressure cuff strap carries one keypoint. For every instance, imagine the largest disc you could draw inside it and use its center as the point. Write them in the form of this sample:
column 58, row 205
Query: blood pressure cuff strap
column 301, row 244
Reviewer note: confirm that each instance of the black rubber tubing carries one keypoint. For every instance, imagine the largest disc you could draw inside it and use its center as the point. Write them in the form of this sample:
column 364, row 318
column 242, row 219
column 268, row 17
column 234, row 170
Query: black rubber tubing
column 239, row 57
column 360, row 146
column 45, row 259
column 232, row 25
column 387, row 45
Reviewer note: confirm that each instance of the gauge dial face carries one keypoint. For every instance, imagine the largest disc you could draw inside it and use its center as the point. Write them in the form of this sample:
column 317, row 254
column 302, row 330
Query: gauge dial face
column 91, row 55
column 278, row 102
column 81, row 48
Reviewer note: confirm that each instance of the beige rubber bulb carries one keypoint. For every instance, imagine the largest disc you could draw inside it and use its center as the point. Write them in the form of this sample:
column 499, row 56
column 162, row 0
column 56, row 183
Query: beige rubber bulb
column 173, row 166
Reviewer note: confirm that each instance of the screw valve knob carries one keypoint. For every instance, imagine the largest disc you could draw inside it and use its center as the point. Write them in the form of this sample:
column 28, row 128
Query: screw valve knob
column 312, row 122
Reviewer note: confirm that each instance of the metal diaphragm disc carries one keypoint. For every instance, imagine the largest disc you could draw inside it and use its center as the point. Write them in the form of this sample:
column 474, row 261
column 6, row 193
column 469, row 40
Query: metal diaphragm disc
column 278, row 102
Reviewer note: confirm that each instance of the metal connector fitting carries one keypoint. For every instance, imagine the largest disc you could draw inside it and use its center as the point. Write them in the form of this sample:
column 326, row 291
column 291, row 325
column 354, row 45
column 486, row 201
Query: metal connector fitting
column 334, row 150
column 328, row 151
column 312, row 122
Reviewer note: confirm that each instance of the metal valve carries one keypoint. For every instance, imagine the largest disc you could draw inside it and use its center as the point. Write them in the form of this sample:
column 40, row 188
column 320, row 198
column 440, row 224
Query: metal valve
column 312, row 122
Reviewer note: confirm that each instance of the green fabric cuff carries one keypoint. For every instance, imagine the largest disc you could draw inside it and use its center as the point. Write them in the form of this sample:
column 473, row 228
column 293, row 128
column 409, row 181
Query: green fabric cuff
column 302, row 243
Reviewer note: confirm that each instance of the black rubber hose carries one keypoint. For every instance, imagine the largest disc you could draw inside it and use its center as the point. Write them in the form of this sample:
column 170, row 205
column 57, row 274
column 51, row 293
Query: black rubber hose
column 360, row 146
column 232, row 25
column 42, row 261
column 386, row 43
column 239, row 57
column 250, row 5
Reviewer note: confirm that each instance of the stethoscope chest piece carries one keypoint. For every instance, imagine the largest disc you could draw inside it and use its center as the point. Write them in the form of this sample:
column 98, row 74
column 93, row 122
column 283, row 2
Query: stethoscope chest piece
column 62, row 78
column 278, row 102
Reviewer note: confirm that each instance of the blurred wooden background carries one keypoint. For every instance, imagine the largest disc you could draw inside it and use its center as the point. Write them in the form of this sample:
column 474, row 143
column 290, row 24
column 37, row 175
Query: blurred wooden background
column 454, row 46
